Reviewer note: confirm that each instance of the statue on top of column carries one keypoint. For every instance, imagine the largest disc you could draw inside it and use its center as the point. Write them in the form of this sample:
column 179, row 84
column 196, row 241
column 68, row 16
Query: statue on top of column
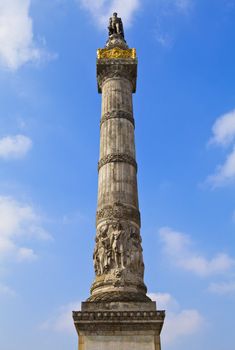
column 115, row 25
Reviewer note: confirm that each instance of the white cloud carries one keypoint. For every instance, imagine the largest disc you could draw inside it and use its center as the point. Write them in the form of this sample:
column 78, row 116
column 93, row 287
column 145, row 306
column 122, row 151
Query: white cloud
column 185, row 323
column 17, row 45
column 7, row 291
column 179, row 249
column 163, row 37
column 101, row 10
column 18, row 221
column 26, row 254
column 178, row 323
column 14, row 147
column 223, row 132
column 62, row 320
column 222, row 288
column 168, row 7
column 224, row 129
column 166, row 11
column 183, row 5
column 74, row 217
column 164, row 301
column 225, row 173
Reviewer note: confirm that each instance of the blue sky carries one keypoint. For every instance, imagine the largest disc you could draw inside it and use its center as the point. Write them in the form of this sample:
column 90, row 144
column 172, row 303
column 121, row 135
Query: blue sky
column 49, row 148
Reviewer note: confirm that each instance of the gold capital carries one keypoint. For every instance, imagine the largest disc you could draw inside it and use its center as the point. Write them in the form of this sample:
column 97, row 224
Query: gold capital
column 116, row 53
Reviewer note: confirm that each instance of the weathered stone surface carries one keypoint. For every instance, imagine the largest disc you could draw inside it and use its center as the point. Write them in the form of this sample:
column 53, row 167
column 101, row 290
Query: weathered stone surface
column 128, row 305
column 121, row 341
column 118, row 315
column 116, row 91
column 119, row 296
column 117, row 184
column 116, row 68
column 118, row 259
column 117, row 114
column 117, row 158
column 119, row 326
column 118, row 248
column 118, row 211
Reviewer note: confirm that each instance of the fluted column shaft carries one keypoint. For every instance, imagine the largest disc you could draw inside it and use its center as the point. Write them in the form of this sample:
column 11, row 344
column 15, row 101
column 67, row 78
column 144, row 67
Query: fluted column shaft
column 118, row 259
column 117, row 165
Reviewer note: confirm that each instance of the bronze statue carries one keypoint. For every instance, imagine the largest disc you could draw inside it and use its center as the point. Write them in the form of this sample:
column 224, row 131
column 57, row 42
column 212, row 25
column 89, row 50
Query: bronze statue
column 115, row 25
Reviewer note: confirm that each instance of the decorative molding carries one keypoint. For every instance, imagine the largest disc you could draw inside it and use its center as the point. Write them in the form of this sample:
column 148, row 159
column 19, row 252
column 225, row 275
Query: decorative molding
column 117, row 158
column 104, row 322
column 119, row 316
column 119, row 114
column 119, row 297
column 116, row 53
column 119, row 211
column 113, row 68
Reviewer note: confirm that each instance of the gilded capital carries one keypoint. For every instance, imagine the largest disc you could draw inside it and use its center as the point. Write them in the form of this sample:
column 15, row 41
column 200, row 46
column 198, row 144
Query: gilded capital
column 116, row 53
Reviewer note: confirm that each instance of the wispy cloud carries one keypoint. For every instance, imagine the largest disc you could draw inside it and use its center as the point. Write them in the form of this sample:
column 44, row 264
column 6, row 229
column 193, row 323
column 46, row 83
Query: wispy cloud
column 74, row 217
column 225, row 173
column 6, row 291
column 179, row 249
column 163, row 37
column 61, row 320
column 14, row 147
column 184, row 5
column 223, row 130
column 222, row 288
column 223, row 134
column 19, row 221
column 17, row 43
column 169, row 7
column 179, row 322
column 101, row 10
column 165, row 301
column 167, row 11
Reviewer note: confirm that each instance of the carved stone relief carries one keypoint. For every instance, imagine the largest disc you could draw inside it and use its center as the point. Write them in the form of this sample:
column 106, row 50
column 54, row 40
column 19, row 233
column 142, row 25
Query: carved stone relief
column 118, row 250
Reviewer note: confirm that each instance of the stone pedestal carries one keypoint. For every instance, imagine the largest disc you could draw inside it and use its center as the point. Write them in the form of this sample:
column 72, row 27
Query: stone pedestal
column 119, row 326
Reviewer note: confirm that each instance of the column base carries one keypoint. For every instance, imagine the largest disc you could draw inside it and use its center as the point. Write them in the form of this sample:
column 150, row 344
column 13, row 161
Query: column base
column 119, row 326
column 119, row 296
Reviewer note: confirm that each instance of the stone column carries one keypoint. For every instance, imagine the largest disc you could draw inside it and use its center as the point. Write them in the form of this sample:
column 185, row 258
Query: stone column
column 118, row 259
column 118, row 314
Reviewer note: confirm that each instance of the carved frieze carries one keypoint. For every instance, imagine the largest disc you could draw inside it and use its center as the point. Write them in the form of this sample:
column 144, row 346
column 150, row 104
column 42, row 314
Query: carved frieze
column 104, row 322
column 118, row 251
column 119, row 315
column 119, row 211
column 117, row 157
column 119, row 115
